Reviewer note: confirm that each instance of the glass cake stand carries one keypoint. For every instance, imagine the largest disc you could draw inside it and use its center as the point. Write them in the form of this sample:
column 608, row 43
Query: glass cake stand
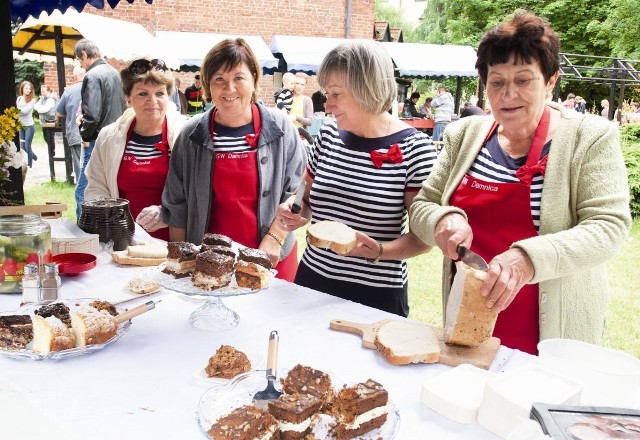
column 213, row 314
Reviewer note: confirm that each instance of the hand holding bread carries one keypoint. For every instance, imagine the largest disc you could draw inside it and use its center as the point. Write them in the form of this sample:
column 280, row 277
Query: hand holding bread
column 150, row 218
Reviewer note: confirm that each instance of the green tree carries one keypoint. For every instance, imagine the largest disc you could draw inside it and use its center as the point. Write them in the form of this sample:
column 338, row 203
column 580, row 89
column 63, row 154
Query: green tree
column 32, row 71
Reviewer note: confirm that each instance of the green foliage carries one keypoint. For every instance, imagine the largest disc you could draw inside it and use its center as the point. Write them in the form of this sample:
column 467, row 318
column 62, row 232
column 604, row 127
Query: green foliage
column 630, row 139
column 32, row 71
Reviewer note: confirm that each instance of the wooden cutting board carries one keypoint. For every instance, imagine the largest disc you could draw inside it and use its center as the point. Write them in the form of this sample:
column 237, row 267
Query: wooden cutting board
column 481, row 356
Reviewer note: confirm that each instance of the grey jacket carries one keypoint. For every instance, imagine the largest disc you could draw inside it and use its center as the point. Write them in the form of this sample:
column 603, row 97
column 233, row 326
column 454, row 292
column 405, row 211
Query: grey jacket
column 102, row 99
column 186, row 200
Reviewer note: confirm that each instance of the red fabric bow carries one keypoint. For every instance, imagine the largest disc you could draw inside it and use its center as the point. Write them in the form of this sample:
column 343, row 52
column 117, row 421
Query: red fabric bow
column 252, row 140
column 394, row 155
column 526, row 172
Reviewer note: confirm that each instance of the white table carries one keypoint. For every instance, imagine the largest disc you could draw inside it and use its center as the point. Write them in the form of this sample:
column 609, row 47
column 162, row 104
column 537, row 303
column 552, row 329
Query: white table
column 142, row 387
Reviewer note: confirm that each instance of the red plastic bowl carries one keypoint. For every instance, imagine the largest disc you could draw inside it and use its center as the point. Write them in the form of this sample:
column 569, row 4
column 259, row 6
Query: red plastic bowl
column 74, row 263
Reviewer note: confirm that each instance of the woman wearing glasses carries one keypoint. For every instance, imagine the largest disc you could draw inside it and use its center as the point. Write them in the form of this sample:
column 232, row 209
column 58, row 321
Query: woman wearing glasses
column 234, row 164
column 131, row 156
column 539, row 192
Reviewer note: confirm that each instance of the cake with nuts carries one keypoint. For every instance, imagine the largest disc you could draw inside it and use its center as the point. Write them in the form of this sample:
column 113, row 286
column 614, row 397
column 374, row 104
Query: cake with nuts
column 359, row 409
column 296, row 414
column 227, row 362
column 306, row 380
column 246, row 422
column 16, row 331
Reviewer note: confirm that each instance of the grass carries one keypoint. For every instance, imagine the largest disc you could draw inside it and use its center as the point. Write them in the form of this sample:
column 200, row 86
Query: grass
column 622, row 330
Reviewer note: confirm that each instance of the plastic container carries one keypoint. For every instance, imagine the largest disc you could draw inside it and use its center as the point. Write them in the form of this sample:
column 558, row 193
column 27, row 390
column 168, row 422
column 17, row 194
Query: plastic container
column 608, row 377
column 456, row 393
column 22, row 238
column 509, row 397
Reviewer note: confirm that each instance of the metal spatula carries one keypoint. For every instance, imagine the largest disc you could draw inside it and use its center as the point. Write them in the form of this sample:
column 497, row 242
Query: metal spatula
column 262, row 398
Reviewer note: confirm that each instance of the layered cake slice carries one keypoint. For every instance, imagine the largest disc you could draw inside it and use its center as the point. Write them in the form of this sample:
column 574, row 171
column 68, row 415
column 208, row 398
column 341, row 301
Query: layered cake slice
column 181, row 258
column 252, row 275
column 296, row 414
column 224, row 250
column 359, row 409
column 306, row 380
column 257, row 256
column 92, row 326
column 227, row 362
column 216, row 240
column 59, row 310
column 51, row 334
column 212, row 270
column 16, row 331
column 245, row 422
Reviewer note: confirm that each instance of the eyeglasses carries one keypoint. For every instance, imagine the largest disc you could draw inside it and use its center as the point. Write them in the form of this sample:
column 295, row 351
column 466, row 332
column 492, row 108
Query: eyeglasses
column 142, row 66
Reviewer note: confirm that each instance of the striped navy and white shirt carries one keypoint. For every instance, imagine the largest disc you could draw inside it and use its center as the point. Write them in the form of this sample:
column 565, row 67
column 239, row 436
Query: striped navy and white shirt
column 494, row 165
column 348, row 188
column 231, row 139
column 143, row 147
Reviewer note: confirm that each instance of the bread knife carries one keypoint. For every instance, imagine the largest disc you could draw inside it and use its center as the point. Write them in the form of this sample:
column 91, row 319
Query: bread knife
column 296, row 207
column 471, row 259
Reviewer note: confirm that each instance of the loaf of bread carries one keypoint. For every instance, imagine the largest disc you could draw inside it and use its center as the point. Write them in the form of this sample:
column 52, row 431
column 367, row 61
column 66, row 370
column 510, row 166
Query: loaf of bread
column 468, row 321
column 92, row 326
column 336, row 236
column 51, row 334
column 147, row 251
column 122, row 257
column 404, row 343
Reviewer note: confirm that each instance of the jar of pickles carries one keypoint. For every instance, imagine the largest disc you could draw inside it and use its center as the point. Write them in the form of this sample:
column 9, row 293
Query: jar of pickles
column 24, row 239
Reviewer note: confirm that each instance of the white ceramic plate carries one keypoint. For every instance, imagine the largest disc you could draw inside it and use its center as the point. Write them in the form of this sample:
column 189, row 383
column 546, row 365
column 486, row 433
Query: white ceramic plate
column 257, row 362
column 28, row 353
column 219, row 401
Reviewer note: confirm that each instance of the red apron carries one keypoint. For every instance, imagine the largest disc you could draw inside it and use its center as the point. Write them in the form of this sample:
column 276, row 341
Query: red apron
column 499, row 215
column 141, row 181
column 234, row 203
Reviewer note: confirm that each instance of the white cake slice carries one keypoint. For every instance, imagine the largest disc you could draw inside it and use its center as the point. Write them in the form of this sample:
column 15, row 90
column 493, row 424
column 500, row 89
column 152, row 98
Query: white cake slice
column 50, row 334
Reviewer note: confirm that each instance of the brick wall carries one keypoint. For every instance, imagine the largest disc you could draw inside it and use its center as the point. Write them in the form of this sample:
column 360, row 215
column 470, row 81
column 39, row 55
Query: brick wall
column 318, row 18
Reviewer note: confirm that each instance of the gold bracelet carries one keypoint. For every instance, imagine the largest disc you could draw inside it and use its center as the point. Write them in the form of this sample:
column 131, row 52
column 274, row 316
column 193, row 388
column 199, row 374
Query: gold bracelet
column 275, row 237
column 377, row 258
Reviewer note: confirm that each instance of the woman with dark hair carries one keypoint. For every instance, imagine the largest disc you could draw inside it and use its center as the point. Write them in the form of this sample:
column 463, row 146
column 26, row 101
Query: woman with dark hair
column 364, row 170
column 539, row 192
column 233, row 165
column 410, row 107
column 131, row 156
column 25, row 103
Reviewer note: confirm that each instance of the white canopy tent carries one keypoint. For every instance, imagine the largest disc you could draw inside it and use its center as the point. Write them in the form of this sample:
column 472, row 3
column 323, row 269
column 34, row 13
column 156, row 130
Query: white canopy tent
column 418, row 60
column 117, row 39
column 190, row 48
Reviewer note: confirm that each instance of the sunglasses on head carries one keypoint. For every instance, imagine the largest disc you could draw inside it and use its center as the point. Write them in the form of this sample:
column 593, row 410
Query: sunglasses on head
column 142, row 66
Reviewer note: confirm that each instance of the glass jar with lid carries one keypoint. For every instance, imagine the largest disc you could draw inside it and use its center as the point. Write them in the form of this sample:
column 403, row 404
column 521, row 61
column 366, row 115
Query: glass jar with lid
column 24, row 239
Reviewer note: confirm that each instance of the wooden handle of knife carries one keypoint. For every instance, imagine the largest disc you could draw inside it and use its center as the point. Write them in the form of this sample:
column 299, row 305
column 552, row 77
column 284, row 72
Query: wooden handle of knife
column 125, row 316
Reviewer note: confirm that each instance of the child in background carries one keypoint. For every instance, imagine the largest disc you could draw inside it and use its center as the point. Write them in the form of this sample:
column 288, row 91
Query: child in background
column 284, row 96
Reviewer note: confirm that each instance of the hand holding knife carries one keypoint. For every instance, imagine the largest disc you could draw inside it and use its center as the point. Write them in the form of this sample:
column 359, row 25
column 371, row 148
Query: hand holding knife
column 296, row 206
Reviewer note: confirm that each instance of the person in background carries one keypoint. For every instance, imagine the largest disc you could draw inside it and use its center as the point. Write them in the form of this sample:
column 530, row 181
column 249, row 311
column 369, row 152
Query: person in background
column 570, row 102
column 175, row 97
column 46, row 108
column 102, row 102
column 471, row 110
column 182, row 97
column 301, row 112
column 363, row 170
column 233, row 165
column 605, row 108
column 426, row 108
column 25, row 103
column 131, row 157
column 193, row 93
column 284, row 96
column 581, row 105
column 410, row 107
column 540, row 192
column 67, row 108
column 443, row 103
column 318, row 100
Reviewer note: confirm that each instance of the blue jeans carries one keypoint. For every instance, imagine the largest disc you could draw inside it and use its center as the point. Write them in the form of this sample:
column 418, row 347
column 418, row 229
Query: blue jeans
column 26, row 138
column 438, row 130
column 82, row 179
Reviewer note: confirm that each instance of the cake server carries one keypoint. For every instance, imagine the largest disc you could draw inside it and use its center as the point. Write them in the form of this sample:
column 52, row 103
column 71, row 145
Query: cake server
column 262, row 398
column 471, row 259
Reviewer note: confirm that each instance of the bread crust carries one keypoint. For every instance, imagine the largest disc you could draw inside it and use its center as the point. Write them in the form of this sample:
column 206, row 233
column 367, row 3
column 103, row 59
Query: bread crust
column 122, row 257
column 469, row 322
column 336, row 236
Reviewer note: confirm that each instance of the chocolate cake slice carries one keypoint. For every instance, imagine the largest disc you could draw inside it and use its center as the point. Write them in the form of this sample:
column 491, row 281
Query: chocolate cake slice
column 59, row 310
column 359, row 409
column 181, row 258
column 245, row 422
column 212, row 270
column 218, row 249
column 306, row 380
column 252, row 275
column 296, row 414
column 16, row 331
column 227, row 362
column 216, row 240
column 257, row 256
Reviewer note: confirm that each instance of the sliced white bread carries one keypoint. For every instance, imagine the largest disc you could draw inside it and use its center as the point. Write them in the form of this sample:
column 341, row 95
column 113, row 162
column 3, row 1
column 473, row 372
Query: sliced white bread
column 404, row 343
column 336, row 236
column 147, row 251
column 468, row 320
column 122, row 257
